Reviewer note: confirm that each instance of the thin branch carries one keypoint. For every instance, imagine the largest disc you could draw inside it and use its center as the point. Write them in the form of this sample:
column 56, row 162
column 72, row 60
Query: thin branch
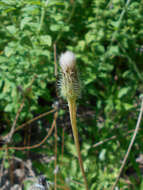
column 78, row 183
column 130, row 145
column 104, row 141
column 11, row 168
column 9, row 136
column 110, row 138
column 29, row 122
column 36, row 145
column 62, row 149
column 34, row 119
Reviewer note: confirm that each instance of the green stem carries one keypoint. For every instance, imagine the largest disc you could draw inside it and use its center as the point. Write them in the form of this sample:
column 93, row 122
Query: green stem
column 72, row 110
column 66, row 22
column 42, row 19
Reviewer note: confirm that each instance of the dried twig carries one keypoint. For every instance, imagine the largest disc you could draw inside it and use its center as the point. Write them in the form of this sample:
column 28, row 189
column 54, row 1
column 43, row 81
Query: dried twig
column 62, row 149
column 130, row 145
column 36, row 145
column 29, row 122
column 11, row 164
column 9, row 136
column 110, row 138
column 34, row 119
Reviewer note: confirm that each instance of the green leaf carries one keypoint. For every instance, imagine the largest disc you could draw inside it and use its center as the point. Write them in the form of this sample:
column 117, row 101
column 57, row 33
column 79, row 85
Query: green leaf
column 90, row 79
column 34, row 2
column 8, row 51
column 115, row 24
column 2, row 3
column 100, row 48
column 9, row 107
column 2, row 96
column 81, row 45
column 9, row 10
column 6, row 164
column 141, row 185
column 123, row 91
column 11, row 29
column 114, row 50
column 72, row 149
column 24, row 22
column 55, row 27
column 66, row 28
column 46, row 40
column 102, row 155
column 128, row 106
column 54, row 2
column 3, row 59
column 89, row 37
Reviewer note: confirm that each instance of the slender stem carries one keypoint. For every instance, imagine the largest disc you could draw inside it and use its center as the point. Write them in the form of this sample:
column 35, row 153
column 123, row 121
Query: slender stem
column 67, row 21
column 130, row 145
column 42, row 19
column 55, row 179
column 72, row 110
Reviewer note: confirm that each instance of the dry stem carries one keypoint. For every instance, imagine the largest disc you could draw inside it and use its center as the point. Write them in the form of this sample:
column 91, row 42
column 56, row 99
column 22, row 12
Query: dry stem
column 55, row 178
column 72, row 110
column 130, row 145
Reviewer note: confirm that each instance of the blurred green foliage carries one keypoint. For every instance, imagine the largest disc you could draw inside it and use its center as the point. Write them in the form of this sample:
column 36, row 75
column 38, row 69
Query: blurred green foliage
column 109, row 51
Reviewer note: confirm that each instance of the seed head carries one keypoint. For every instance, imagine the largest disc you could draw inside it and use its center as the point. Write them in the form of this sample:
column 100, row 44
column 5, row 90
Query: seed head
column 69, row 84
column 67, row 61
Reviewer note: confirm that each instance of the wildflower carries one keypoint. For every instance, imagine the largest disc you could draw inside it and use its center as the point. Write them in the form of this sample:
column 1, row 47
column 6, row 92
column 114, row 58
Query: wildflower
column 69, row 83
column 70, row 89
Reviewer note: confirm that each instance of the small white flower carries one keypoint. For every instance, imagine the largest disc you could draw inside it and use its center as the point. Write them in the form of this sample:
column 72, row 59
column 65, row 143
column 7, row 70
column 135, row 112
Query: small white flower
column 67, row 61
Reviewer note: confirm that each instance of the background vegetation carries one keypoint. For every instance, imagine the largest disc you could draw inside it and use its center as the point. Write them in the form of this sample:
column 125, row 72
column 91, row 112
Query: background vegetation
column 106, row 37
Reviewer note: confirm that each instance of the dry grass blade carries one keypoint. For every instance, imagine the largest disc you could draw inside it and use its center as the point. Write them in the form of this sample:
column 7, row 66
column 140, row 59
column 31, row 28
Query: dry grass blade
column 130, row 145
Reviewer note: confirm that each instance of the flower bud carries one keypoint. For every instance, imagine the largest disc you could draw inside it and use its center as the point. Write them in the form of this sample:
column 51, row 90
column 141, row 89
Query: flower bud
column 69, row 84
